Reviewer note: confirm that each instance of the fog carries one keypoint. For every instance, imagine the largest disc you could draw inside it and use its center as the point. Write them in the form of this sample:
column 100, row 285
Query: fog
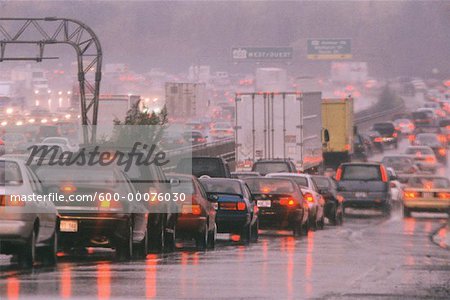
column 396, row 37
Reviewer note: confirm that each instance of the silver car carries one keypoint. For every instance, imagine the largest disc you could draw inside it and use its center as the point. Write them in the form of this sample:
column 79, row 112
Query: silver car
column 27, row 222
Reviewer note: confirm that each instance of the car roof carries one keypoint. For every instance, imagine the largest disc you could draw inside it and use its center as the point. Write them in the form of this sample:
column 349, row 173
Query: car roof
column 361, row 164
column 285, row 174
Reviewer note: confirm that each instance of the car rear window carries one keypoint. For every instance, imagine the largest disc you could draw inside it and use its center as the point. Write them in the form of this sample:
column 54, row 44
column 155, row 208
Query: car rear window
column 429, row 183
column 10, row 173
column 201, row 166
column 297, row 179
column 221, row 186
column 270, row 186
column 419, row 151
column 322, row 182
column 419, row 115
column 383, row 126
column 270, row 167
column 360, row 172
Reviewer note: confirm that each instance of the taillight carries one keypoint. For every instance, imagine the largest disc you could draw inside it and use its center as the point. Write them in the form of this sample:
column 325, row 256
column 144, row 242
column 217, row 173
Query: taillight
column 443, row 195
column 9, row 200
column 232, row 206
column 394, row 134
column 384, row 175
column 339, row 174
column 241, row 206
column 430, row 159
column 109, row 205
column 412, row 138
column 194, row 209
column 340, row 198
column 308, row 197
column 378, row 139
column 442, row 152
column 287, row 201
column 67, row 188
column 408, row 195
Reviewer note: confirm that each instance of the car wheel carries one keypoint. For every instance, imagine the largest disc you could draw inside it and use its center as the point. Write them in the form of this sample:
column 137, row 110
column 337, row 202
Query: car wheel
column 156, row 238
column 322, row 223
column 255, row 231
column 124, row 249
column 212, row 238
column 406, row 212
column 27, row 254
column 170, row 240
column 312, row 223
column 340, row 218
column 141, row 249
column 246, row 234
column 201, row 239
column 49, row 252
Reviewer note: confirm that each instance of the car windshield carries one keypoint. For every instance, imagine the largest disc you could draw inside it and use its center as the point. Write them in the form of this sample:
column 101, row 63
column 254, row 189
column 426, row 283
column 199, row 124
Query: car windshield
column 221, row 186
column 270, row 167
column 270, row 186
column 10, row 173
column 361, row 172
column 429, row 182
column 419, row 151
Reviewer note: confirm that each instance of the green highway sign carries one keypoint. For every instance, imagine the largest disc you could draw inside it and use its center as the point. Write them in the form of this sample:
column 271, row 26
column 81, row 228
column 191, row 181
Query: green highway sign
column 329, row 49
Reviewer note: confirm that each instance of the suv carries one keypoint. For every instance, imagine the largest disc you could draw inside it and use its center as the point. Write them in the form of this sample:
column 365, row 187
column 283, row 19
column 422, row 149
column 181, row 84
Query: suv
column 388, row 133
column 266, row 166
column 364, row 185
column 204, row 165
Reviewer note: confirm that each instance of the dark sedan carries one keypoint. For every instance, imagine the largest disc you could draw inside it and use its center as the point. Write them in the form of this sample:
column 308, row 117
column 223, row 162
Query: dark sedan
column 334, row 207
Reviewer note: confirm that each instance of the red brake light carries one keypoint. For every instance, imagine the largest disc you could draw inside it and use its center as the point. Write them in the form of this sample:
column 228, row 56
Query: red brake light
column 444, row 195
column 339, row 174
column 430, row 159
column 68, row 188
column 241, row 206
column 442, row 152
column 194, row 209
column 394, row 134
column 408, row 195
column 109, row 204
column 378, row 140
column 8, row 200
column 308, row 197
column 384, row 175
column 287, row 201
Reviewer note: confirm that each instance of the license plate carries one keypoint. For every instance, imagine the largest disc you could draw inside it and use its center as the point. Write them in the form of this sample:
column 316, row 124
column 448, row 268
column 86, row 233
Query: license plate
column 263, row 203
column 427, row 195
column 68, row 226
column 361, row 195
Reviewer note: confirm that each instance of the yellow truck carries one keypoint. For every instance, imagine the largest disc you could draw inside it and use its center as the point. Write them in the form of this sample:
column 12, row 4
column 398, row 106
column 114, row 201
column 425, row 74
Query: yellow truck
column 338, row 131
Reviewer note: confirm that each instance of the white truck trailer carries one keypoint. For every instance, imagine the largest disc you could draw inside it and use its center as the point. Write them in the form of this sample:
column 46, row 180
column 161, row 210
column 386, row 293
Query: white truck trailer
column 279, row 125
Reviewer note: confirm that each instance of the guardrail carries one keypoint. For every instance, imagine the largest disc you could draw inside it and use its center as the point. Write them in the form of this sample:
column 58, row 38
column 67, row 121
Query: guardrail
column 226, row 148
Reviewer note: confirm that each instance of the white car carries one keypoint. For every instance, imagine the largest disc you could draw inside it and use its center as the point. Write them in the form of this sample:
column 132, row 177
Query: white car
column 424, row 157
column 26, row 225
column 61, row 141
column 311, row 193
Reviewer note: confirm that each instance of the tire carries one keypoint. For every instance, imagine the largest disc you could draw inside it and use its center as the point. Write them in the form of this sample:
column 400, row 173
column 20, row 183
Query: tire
column 170, row 240
column 255, row 232
column 27, row 255
column 212, row 237
column 246, row 234
column 124, row 249
column 49, row 252
column 141, row 249
column 406, row 212
column 322, row 223
column 156, row 239
column 312, row 224
column 340, row 217
column 201, row 239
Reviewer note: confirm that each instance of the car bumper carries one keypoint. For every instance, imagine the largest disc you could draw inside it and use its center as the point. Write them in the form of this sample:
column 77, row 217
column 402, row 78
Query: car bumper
column 430, row 205
column 230, row 221
column 280, row 219
column 15, row 230
column 190, row 225
column 364, row 204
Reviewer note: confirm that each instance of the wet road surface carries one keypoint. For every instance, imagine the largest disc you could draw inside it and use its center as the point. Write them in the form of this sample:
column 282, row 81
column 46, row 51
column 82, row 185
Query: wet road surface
column 369, row 257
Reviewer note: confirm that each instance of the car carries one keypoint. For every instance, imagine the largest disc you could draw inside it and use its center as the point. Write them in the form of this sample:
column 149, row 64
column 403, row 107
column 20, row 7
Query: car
column 370, row 147
column 424, row 157
column 28, row 229
column 364, row 186
column 422, row 118
column 266, row 166
column 433, row 141
column 197, row 219
column 311, row 193
column 221, row 130
column 96, row 210
column 244, row 174
column 444, row 128
column 334, row 207
column 361, row 149
column 376, row 139
column 203, row 166
column 194, row 137
column 388, row 132
column 405, row 126
column 281, row 204
column 426, row 193
column 61, row 141
column 401, row 164
column 236, row 211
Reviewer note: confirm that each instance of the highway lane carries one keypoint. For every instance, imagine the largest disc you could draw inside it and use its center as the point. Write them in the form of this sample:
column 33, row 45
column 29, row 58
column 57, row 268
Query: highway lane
column 369, row 257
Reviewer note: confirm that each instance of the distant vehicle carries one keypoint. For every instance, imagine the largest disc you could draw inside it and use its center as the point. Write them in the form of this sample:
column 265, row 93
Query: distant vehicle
column 422, row 118
column 338, row 132
column 243, row 174
column 204, row 165
column 401, row 164
column 427, row 193
column 432, row 140
column 194, row 137
column 311, row 194
column 424, row 157
column 334, row 203
column 27, row 228
column 61, row 141
column 405, row 126
column 388, row 133
column 266, row 166
column 444, row 126
column 362, row 149
column 236, row 210
column 198, row 215
column 364, row 185
column 269, row 125
column 173, row 139
column 121, row 224
column 221, row 130
column 281, row 204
